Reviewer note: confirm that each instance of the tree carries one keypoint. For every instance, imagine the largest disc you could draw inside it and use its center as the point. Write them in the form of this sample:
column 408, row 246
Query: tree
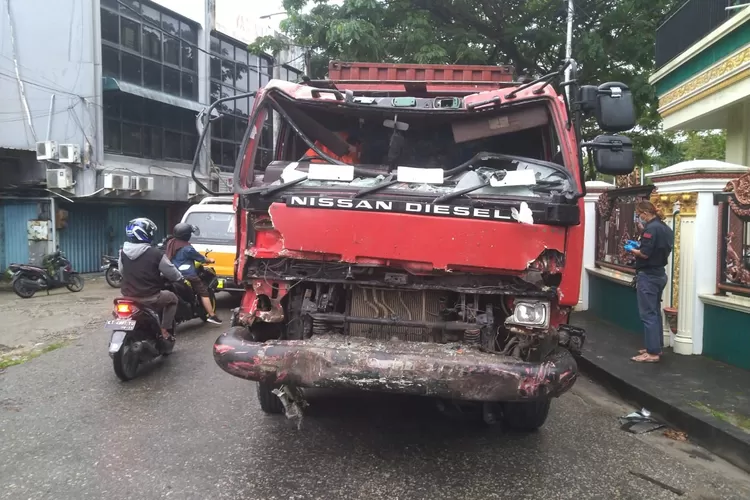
column 613, row 41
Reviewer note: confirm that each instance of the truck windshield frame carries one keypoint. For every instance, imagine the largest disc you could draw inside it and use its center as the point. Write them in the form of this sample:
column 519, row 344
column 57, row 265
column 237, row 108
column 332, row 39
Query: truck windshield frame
column 248, row 174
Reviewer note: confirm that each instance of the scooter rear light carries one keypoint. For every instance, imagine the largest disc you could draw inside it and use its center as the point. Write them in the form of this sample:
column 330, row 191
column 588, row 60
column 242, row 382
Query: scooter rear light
column 124, row 310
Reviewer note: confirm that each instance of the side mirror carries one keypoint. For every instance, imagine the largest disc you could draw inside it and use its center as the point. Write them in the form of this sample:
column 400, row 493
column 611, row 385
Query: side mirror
column 613, row 154
column 611, row 104
column 196, row 230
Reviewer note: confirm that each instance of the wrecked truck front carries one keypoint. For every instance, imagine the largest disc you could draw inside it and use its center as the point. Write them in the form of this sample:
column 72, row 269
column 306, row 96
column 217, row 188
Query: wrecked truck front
column 455, row 279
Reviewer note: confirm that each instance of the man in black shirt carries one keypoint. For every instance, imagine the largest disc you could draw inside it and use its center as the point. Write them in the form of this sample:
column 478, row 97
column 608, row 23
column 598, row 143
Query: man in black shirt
column 142, row 267
column 652, row 257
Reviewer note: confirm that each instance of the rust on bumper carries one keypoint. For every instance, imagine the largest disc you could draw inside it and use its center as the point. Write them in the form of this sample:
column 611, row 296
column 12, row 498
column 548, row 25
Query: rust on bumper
column 439, row 370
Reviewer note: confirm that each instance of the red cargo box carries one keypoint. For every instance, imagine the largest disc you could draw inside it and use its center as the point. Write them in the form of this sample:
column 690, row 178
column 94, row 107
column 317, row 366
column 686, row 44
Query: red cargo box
column 377, row 76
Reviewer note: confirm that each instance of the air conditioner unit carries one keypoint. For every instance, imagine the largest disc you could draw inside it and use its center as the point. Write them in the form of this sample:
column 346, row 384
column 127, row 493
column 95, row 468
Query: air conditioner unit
column 192, row 188
column 69, row 153
column 59, row 178
column 116, row 181
column 46, row 150
column 142, row 183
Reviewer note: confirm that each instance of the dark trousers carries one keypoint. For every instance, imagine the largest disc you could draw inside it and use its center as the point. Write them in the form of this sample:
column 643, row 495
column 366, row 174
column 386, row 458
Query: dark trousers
column 165, row 301
column 649, row 287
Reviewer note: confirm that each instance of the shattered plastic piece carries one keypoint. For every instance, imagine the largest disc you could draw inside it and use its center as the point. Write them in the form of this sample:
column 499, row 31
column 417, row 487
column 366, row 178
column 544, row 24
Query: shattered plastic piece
column 639, row 422
column 523, row 215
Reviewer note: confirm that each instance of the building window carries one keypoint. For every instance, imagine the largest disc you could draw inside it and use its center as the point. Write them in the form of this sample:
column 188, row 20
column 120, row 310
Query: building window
column 235, row 71
column 143, row 45
column 135, row 126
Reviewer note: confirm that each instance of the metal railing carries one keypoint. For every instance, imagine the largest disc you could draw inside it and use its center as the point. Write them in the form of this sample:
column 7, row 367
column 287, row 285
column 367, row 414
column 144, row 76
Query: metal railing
column 616, row 224
column 688, row 24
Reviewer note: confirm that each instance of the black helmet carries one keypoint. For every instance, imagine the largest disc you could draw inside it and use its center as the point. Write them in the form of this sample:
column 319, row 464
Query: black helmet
column 183, row 231
column 140, row 230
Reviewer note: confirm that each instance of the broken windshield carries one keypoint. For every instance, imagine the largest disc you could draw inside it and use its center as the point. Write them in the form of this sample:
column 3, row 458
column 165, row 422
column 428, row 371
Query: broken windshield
column 514, row 152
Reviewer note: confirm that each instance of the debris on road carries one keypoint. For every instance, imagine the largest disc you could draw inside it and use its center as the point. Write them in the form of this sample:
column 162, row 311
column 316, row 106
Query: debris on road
column 676, row 435
column 639, row 422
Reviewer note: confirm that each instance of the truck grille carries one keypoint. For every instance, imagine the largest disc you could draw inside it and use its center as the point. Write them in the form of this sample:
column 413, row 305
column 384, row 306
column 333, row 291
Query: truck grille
column 393, row 304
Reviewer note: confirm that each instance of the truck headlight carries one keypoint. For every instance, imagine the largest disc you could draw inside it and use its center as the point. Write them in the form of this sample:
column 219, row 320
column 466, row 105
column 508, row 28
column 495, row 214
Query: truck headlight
column 530, row 313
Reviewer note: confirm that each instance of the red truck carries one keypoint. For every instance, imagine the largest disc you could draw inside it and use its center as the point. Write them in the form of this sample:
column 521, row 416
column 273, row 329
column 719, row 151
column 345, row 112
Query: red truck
column 417, row 229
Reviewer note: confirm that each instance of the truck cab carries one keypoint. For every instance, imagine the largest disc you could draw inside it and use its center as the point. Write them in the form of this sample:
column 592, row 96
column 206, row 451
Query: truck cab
column 417, row 229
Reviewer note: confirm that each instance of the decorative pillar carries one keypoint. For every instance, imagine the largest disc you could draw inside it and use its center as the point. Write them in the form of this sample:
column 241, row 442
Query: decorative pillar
column 593, row 190
column 684, row 192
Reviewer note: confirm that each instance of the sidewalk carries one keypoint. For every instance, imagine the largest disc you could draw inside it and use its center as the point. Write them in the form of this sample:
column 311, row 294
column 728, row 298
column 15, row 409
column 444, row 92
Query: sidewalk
column 707, row 399
column 57, row 317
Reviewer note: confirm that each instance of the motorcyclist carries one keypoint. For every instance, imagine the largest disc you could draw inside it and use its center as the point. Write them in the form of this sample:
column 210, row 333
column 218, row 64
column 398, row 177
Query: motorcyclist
column 142, row 267
column 181, row 253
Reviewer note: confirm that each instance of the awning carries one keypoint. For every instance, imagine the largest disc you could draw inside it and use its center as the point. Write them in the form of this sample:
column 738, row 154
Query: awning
column 110, row 84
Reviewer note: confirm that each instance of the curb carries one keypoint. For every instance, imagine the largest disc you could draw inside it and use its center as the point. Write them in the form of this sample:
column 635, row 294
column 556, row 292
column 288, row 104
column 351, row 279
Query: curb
column 720, row 438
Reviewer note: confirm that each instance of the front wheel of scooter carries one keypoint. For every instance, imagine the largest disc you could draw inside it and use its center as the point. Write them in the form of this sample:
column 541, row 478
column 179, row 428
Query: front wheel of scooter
column 125, row 361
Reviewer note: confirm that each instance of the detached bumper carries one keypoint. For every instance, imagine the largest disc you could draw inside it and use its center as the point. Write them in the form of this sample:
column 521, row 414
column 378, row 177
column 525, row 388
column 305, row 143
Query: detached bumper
column 422, row 369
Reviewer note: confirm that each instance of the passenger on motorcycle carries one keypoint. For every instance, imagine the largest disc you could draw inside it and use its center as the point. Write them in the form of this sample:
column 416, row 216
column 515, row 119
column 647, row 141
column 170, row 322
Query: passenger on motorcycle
column 181, row 252
column 142, row 267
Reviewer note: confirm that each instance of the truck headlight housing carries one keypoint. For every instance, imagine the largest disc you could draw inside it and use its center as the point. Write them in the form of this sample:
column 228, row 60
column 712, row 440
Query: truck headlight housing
column 533, row 313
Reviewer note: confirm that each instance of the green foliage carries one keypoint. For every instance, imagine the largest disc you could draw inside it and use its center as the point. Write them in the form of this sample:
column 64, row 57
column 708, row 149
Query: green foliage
column 613, row 40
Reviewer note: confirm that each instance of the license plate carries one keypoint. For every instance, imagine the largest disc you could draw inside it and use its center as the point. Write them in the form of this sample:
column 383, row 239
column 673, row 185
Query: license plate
column 125, row 325
column 220, row 284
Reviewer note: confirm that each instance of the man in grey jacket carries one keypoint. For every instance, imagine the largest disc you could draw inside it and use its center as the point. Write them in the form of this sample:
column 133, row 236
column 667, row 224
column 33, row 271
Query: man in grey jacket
column 142, row 267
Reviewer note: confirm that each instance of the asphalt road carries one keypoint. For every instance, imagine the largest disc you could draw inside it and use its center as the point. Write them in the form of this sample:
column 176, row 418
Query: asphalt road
column 187, row 430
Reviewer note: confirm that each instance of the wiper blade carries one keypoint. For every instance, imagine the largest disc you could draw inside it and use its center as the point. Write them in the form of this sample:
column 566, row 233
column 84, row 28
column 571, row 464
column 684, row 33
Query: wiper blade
column 455, row 194
column 269, row 190
column 388, row 181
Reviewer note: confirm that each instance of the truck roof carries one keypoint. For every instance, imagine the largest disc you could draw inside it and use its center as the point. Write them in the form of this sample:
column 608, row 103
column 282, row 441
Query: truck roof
column 417, row 78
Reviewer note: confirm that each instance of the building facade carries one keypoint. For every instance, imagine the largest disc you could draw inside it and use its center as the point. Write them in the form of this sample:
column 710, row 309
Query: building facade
column 98, row 108
column 702, row 82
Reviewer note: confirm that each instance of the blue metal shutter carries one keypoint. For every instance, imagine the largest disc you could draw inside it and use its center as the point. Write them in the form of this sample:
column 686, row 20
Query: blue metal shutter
column 85, row 238
column 15, row 217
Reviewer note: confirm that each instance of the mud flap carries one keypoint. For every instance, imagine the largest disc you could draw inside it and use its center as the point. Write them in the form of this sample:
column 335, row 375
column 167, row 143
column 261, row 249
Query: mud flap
column 115, row 342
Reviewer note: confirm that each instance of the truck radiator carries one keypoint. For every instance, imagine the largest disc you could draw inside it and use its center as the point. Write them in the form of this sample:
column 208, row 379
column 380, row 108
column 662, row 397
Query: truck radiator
column 384, row 303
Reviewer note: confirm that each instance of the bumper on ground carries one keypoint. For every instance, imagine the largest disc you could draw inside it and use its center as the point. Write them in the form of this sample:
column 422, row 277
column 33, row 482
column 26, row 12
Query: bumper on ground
column 424, row 369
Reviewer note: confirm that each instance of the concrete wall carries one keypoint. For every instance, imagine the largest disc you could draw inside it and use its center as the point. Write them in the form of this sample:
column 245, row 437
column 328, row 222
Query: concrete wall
column 54, row 41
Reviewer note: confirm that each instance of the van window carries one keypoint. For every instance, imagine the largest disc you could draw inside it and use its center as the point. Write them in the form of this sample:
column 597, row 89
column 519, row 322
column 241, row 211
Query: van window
column 216, row 227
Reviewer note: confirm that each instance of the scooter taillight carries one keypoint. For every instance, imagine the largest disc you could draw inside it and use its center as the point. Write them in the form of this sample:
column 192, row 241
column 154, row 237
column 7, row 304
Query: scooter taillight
column 124, row 310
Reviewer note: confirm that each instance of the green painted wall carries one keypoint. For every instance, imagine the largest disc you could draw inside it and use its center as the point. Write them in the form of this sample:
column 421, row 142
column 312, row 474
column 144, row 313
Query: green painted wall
column 615, row 303
column 726, row 336
column 725, row 46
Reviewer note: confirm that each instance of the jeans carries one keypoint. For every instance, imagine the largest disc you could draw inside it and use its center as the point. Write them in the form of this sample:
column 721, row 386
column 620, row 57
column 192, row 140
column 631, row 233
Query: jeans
column 165, row 301
column 649, row 288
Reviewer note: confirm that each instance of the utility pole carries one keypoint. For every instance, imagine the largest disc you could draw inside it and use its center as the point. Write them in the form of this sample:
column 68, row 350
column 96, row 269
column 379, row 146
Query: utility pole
column 569, row 47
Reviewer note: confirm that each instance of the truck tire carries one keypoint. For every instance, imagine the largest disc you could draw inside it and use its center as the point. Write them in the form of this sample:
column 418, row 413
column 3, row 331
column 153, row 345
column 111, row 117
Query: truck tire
column 527, row 416
column 269, row 402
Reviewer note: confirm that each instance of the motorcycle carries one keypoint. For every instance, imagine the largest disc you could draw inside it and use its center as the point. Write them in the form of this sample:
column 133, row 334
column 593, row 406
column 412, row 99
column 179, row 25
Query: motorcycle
column 136, row 329
column 111, row 270
column 56, row 271
column 136, row 337
column 190, row 305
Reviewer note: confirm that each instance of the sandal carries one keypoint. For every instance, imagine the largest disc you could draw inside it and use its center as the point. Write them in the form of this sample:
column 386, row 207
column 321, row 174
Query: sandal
column 646, row 358
column 644, row 351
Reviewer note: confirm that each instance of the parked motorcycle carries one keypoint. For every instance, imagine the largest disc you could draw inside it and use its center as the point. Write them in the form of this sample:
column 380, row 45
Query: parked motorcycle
column 111, row 270
column 56, row 271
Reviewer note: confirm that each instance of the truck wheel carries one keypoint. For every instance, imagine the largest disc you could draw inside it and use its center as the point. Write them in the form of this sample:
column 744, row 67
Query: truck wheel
column 269, row 402
column 526, row 416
